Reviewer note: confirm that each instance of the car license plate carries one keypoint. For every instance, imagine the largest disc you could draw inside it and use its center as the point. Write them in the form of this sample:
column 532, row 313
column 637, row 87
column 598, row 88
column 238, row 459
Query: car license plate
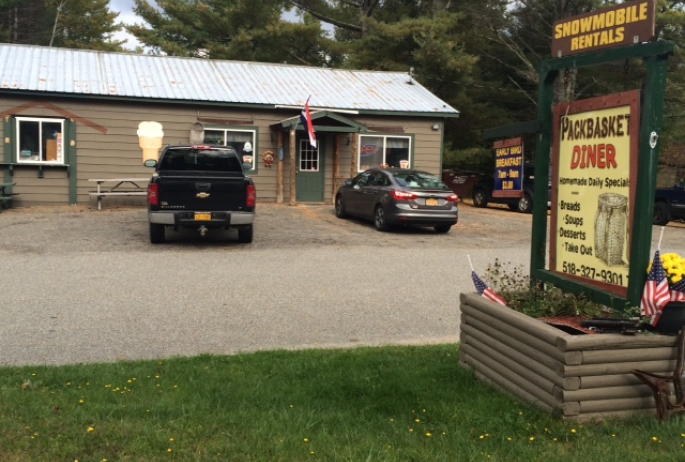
column 203, row 217
column 432, row 202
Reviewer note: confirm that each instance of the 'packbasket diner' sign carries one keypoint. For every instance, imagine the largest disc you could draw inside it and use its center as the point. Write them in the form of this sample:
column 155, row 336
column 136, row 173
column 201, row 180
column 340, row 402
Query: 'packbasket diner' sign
column 621, row 25
column 594, row 160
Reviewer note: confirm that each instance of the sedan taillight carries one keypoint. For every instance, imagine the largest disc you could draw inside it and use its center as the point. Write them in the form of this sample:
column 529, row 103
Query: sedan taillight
column 153, row 194
column 452, row 198
column 403, row 196
column 251, row 200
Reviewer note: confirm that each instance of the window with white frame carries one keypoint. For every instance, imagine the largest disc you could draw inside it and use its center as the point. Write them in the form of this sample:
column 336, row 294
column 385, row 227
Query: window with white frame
column 242, row 140
column 309, row 157
column 40, row 141
column 391, row 151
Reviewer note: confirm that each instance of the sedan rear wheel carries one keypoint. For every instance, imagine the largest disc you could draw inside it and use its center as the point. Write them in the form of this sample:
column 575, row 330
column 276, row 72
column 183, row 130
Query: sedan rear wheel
column 340, row 208
column 442, row 229
column 380, row 220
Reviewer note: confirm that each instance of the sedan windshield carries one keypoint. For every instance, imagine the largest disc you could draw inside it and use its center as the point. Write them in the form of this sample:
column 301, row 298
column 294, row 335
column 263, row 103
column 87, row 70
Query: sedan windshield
column 419, row 180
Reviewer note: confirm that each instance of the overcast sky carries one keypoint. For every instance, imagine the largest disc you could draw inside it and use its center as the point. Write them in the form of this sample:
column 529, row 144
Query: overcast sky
column 126, row 15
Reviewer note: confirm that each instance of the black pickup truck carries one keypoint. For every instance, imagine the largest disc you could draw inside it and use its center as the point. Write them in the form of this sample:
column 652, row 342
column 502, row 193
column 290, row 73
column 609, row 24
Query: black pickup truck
column 200, row 187
column 483, row 189
column 669, row 204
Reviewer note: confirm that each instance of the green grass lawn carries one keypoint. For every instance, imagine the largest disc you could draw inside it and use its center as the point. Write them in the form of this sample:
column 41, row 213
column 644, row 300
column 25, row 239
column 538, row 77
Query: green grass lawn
column 365, row 404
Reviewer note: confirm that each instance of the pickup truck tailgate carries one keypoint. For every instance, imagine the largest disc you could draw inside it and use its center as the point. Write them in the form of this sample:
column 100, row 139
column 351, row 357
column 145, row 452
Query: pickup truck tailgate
column 202, row 193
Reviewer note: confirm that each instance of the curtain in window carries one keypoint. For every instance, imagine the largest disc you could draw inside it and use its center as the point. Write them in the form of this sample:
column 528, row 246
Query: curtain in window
column 397, row 143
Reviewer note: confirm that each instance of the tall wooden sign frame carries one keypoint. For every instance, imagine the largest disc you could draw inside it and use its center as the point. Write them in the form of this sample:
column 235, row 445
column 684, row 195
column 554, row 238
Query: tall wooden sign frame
column 655, row 57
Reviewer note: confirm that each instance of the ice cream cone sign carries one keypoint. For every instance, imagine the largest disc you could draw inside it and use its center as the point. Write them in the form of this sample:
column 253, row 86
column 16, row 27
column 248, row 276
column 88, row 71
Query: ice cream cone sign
column 150, row 137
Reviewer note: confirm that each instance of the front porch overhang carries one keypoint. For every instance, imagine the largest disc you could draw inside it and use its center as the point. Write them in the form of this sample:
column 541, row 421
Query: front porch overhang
column 324, row 121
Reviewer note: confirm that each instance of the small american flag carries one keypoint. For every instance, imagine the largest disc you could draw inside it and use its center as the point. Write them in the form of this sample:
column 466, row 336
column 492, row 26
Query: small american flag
column 678, row 291
column 486, row 291
column 656, row 294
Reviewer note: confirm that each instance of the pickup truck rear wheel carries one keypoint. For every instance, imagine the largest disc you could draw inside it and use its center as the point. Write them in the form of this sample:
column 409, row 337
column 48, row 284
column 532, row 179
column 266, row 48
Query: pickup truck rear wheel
column 156, row 233
column 525, row 204
column 480, row 199
column 245, row 234
column 661, row 214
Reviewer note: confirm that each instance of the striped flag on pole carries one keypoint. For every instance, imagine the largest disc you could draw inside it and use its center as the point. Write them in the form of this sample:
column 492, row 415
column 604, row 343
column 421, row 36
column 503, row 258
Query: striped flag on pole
column 308, row 124
column 678, row 291
column 486, row 291
column 656, row 293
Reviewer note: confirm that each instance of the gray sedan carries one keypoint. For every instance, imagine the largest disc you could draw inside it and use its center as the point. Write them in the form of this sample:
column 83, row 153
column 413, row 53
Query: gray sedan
column 398, row 196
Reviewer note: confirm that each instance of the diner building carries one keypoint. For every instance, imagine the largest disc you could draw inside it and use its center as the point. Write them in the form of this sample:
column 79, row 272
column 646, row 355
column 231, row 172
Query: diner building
column 70, row 116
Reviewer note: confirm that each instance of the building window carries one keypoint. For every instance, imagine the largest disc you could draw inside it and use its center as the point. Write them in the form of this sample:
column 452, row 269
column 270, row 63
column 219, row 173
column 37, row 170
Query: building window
column 375, row 150
column 241, row 139
column 309, row 157
column 40, row 140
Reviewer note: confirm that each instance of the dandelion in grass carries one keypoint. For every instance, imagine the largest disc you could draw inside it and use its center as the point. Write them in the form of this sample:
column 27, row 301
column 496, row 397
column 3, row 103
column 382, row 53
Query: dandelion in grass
column 306, row 440
column 573, row 430
column 312, row 452
column 654, row 438
column 417, row 420
column 68, row 384
column 90, row 430
column 428, row 435
column 171, row 439
column 168, row 450
column 532, row 438
column 81, row 401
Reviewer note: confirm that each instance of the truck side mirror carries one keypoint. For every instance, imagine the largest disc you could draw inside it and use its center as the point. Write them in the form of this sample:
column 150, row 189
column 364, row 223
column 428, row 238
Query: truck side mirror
column 150, row 163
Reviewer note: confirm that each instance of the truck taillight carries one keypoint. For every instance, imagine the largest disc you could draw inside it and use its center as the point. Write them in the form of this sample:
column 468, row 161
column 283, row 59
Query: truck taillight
column 153, row 194
column 251, row 200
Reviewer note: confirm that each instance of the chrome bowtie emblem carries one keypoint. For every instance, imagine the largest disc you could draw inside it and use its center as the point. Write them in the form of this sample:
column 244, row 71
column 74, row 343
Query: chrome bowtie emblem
column 202, row 195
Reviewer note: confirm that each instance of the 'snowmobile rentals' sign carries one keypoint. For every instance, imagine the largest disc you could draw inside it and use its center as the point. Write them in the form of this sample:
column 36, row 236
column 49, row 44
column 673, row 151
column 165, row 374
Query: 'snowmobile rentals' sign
column 621, row 25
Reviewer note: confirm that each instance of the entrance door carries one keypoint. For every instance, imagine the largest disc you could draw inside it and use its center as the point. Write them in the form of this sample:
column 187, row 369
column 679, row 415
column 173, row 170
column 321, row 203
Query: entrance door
column 310, row 171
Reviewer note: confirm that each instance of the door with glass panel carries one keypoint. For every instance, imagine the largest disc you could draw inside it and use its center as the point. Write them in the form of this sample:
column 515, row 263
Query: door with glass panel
column 310, row 171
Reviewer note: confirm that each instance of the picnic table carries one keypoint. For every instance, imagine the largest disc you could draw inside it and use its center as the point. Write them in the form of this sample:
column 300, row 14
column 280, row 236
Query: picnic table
column 5, row 194
column 119, row 187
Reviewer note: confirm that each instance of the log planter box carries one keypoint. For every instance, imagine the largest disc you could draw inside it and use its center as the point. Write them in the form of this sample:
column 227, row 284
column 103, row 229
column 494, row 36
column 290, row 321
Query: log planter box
column 577, row 377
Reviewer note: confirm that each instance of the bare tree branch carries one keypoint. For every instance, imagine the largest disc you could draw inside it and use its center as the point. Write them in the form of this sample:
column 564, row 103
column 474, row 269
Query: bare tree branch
column 300, row 4
column 522, row 90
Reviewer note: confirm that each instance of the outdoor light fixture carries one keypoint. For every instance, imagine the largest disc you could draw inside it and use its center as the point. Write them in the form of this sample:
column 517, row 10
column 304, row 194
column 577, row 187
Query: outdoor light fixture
column 436, row 127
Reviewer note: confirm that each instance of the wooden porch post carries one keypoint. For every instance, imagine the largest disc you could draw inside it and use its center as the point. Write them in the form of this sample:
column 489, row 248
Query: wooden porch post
column 355, row 144
column 293, row 190
column 279, row 177
column 336, row 165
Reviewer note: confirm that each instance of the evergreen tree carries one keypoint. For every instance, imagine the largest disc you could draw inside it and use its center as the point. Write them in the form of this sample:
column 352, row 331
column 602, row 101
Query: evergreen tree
column 229, row 29
column 85, row 24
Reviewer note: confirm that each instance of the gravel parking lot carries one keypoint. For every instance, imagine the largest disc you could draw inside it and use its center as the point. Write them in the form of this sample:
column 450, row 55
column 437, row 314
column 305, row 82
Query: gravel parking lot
column 82, row 285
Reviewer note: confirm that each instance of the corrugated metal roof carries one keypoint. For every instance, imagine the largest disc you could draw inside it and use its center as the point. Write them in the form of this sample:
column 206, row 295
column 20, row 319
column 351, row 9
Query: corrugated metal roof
column 95, row 73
